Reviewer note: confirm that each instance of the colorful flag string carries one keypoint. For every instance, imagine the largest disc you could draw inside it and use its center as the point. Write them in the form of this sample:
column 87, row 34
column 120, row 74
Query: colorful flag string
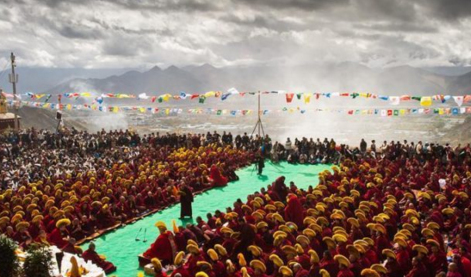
column 382, row 112
column 291, row 97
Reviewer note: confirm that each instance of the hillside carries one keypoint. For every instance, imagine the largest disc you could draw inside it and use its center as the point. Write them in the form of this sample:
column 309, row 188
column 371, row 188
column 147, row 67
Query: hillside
column 44, row 119
column 330, row 77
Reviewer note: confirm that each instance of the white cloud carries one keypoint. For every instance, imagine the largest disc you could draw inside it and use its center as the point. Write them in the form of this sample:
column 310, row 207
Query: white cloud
column 121, row 33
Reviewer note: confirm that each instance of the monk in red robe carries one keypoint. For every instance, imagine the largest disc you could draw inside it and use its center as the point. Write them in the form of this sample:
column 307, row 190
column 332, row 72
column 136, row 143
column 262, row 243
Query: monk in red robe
column 91, row 255
column 218, row 179
column 164, row 248
column 60, row 236
column 418, row 269
column 294, row 211
column 437, row 259
column 181, row 269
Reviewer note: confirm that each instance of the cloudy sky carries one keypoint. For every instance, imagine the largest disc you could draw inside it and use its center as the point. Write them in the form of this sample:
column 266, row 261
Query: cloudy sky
column 143, row 33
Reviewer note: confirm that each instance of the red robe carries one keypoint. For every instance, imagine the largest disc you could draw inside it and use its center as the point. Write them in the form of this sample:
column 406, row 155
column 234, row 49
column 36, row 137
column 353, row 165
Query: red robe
column 303, row 273
column 218, row 179
column 345, row 273
column 418, row 271
column 183, row 272
column 294, row 211
column 93, row 256
column 466, row 266
column 57, row 238
column 330, row 266
column 160, row 274
column 403, row 260
column 163, row 248
column 438, row 262
column 453, row 274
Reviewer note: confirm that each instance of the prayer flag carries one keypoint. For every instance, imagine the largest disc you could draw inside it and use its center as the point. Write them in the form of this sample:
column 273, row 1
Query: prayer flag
column 307, row 98
column 394, row 100
column 289, row 97
column 459, row 100
column 426, row 101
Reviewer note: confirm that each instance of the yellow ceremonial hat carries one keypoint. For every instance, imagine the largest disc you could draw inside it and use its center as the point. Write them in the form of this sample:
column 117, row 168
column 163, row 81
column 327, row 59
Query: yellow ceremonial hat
column 426, row 232
column 302, row 239
column 192, row 249
column 255, row 250
column 339, row 238
column 241, row 258
column 37, row 218
column 220, row 249
column 433, row 225
column 179, row 258
column 400, row 241
column 368, row 272
column 204, row 263
column 314, row 257
column 63, row 222
column 309, row 232
column 329, row 242
column 213, row 255
column 261, row 225
column 22, row 225
column 324, row 273
column 257, row 264
column 276, row 260
column 157, row 264
column 285, row 271
column 433, row 242
column 160, row 224
column 342, row 260
column 389, row 253
column 420, row 249
column 379, row 268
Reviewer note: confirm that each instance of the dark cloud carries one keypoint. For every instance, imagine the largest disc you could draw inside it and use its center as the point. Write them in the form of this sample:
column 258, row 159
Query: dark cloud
column 448, row 9
column 381, row 10
column 268, row 21
column 295, row 4
column 163, row 32
column 164, row 5
column 396, row 27
column 80, row 32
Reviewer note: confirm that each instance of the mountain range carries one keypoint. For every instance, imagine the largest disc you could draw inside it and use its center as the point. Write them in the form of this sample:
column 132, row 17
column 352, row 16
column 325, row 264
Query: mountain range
column 196, row 79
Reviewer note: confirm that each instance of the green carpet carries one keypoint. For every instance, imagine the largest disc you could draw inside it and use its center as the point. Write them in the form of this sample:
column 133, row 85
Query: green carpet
column 121, row 248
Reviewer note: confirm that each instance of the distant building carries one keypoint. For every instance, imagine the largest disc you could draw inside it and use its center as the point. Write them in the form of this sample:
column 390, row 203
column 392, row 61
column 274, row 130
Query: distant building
column 7, row 120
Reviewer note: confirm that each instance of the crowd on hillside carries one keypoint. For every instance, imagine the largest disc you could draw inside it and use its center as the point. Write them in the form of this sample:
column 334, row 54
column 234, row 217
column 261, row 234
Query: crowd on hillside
column 401, row 210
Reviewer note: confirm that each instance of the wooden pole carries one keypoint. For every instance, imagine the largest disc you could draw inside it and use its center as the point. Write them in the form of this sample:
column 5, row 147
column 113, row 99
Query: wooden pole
column 13, row 81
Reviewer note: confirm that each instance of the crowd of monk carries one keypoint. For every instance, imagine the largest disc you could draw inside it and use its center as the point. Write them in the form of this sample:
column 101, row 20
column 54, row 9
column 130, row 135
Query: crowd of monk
column 399, row 213
column 83, row 184
column 62, row 188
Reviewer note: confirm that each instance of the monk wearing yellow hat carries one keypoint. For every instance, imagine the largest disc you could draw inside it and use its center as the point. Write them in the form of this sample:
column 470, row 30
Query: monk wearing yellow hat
column 164, row 246
column 60, row 235
column 344, row 266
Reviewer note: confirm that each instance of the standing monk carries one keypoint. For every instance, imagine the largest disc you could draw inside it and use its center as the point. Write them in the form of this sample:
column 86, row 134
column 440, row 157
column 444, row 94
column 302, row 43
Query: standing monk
column 186, row 198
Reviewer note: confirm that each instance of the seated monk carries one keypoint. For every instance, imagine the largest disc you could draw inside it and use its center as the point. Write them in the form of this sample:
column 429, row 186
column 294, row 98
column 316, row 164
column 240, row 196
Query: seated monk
column 217, row 179
column 158, row 272
column 164, row 246
column 91, row 255
column 60, row 236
